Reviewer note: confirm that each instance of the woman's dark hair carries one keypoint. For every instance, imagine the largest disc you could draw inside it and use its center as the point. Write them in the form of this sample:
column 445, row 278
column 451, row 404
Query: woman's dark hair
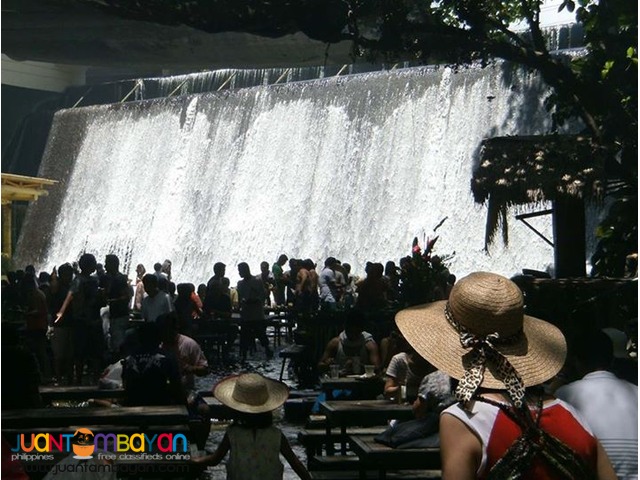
column 167, row 320
column 254, row 420
column 28, row 282
column 148, row 336
column 390, row 268
column 163, row 284
column 182, row 303
column 185, row 289
column 64, row 269
column 593, row 350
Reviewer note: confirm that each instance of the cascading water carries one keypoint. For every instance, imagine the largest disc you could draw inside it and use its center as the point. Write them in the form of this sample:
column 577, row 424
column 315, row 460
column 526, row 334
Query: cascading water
column 242, row 78
column 352, row 167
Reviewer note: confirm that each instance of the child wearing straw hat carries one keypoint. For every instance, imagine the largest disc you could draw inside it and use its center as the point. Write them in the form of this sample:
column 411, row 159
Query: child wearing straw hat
column 254, row 443
column 503, row 426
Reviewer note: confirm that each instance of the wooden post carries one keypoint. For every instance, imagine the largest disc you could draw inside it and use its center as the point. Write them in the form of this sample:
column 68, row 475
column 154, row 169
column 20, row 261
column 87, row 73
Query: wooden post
column 569, row 232
column 6, row 229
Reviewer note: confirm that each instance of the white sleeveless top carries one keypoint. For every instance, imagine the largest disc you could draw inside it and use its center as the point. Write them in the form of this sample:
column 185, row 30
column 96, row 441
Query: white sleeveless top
column 348, row 348
column 255, row 453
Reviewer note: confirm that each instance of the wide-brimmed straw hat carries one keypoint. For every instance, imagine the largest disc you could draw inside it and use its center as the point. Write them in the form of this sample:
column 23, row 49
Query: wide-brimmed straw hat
column 483, row 322
column 251, row 393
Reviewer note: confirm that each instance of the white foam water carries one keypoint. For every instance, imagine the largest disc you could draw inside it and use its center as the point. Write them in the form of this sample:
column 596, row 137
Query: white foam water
column 353, row 167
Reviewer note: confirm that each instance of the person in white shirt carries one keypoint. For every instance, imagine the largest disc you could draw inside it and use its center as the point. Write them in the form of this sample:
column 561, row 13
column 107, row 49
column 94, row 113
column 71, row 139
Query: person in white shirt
column 406, row 369
column 156, row 302
column 608, row 403
column 327, row 284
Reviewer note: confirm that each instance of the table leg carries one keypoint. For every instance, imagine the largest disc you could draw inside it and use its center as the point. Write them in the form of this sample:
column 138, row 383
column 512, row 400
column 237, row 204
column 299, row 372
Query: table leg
column 284, row 361
column 343, row 439
column 330, row 450
column 363, row 470
column 275, row 336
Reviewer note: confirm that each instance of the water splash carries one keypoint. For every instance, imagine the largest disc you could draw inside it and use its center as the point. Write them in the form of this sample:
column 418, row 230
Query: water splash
column 353, row 167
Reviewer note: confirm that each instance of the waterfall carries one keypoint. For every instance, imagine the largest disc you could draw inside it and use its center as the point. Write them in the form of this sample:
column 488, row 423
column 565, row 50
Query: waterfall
column 234, row 78
column 353, row 167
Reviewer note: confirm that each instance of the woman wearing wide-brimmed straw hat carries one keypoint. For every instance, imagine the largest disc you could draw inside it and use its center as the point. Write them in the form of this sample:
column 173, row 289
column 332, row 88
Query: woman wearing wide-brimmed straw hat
column 255, row 444
column 503, row 426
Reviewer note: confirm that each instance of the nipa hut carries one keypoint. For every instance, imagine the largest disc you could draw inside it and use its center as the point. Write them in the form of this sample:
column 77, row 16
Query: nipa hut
column 519, row 170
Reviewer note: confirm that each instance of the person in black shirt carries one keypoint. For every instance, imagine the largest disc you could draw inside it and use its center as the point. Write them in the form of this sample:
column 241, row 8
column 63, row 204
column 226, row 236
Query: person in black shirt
column 62, row 335
column 84, row 301
column 118, row 295
column 151, row 376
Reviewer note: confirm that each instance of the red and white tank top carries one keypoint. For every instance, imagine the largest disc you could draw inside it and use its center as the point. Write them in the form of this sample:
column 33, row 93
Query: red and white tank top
column 497, row 432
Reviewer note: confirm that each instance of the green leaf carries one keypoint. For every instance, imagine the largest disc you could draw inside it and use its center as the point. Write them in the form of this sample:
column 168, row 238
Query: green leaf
column 608, row 65
column 630, row 52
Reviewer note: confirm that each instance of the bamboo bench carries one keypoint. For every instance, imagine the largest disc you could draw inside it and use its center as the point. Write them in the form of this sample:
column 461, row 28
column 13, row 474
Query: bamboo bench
column 78, row 393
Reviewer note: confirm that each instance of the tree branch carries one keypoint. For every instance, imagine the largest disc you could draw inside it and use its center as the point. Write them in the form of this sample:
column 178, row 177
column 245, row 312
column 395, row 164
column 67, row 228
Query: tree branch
column 533, row 20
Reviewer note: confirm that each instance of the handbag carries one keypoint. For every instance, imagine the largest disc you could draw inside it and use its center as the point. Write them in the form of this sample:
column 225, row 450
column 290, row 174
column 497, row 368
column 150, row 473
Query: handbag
column 417, row 433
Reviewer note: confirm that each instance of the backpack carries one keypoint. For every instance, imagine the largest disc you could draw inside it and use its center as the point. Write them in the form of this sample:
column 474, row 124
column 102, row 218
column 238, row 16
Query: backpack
column 416, row 433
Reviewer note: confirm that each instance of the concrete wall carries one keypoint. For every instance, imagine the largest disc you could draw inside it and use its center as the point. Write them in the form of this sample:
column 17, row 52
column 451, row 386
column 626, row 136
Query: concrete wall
column 41, row 76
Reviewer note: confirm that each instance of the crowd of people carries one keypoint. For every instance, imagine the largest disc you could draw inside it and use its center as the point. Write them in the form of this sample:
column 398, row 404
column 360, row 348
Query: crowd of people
column 471, row 358
column 487, row 371
column 83, row 308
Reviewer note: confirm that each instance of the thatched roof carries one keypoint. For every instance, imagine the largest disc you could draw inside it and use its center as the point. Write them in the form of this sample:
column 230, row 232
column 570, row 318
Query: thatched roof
column 521, row 170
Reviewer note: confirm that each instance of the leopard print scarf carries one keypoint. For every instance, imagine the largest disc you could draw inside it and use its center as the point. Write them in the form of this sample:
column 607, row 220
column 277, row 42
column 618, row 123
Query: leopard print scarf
column 483, row 350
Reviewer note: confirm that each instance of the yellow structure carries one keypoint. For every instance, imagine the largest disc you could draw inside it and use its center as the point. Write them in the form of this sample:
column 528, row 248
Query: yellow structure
column 18, row 188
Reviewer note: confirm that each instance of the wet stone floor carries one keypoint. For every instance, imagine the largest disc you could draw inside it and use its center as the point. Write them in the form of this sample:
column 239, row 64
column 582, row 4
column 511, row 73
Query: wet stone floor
column 258, row 363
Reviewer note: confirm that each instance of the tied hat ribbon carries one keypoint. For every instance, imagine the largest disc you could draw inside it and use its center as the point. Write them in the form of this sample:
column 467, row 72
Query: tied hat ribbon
column 483, row 349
